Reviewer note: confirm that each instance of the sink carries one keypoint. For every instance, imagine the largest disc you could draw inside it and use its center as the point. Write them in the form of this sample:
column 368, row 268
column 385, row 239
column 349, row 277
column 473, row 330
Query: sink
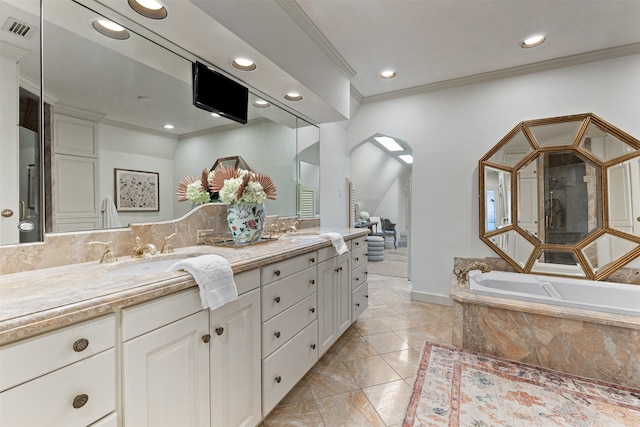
column 144, row 267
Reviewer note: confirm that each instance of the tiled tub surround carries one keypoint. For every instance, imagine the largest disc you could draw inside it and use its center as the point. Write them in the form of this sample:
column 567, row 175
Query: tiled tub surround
column 592, row 344
column 42, row 292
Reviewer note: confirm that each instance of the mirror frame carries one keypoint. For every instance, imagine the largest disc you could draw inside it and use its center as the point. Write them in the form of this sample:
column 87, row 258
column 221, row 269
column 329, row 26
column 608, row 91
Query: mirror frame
column 602, row 197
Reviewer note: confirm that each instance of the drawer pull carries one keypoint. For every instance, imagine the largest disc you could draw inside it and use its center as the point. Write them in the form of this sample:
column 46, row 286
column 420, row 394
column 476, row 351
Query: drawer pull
column 357, row 279
column 357, row 243
column 312, row 281
column 313, row 346
column 206, row 338
column 220, row 330
column 278, row 379
column 357, row 304
column 277, row 334
column 80, row 345
column 357, row 259
column 277, row 273
column 312, row 309
column 366, row 296
column 277, row 299
column 312, row 259
column 80, row 400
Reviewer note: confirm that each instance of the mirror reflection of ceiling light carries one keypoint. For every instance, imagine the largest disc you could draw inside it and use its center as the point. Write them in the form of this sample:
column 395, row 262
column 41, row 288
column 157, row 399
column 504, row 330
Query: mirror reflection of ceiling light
column 169, row 126
column 388, row 74
column 149, row 8
column 243, row 64
column 293, row 96
column 533, row 41
column 407, row 158
column 110, row 29
column 215, row 115
column 389, row 143
column 261, row 103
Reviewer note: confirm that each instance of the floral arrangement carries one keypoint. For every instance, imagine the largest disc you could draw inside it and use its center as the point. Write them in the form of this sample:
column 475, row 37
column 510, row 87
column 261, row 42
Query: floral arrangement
column 228, row 185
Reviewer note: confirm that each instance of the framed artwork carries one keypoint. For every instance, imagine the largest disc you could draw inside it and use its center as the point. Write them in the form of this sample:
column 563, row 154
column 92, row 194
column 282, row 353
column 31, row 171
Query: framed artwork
column 137, row 191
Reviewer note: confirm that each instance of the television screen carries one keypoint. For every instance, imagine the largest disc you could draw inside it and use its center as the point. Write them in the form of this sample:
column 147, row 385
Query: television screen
column 217, row 93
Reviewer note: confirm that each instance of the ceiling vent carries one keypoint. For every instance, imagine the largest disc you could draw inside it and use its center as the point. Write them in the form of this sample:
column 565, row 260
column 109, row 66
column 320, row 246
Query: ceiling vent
column 19, row 28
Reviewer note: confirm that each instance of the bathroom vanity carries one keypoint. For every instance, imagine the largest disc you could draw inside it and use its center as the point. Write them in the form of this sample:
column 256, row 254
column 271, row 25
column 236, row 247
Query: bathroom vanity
column 111, row 345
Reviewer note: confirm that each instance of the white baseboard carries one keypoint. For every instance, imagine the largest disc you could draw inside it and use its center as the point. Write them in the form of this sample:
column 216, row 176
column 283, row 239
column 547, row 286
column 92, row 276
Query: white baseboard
column 431, row 298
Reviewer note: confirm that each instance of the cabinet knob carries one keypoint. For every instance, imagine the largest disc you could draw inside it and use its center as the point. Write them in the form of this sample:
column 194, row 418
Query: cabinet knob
column 277, row 272
column 366, row 296
column 357, row 243
column 207, row 337
column 80, row 345
column 357, row 259
column 80, row 400
column 312, row 259
column 312, row 281
column 278, row 379
column 313, row 346
column 357, row 304
column 357, row 279
column 220, row 330
column 337, row 269
column 312, row 309
column 277, row 334
column 277, row 299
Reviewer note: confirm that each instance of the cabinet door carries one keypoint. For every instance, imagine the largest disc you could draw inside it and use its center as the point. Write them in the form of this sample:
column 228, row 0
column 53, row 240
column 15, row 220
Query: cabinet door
column 343, row 294
column 327, row 317
column 235, row 362
column 166, row 375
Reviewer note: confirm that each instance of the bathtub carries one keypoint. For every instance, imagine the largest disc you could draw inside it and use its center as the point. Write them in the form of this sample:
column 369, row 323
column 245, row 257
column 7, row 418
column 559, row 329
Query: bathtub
column 608, row 297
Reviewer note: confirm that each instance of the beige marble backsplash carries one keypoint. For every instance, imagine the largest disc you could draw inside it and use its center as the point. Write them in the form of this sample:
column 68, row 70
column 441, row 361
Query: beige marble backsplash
column 71, row 248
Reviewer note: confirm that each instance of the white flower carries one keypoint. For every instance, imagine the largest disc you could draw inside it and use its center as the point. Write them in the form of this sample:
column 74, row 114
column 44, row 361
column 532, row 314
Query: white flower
column 195, row 194
column 229, row 191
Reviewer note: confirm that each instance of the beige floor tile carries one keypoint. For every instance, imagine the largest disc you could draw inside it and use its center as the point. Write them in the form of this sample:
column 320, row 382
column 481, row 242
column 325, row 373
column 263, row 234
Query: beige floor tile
column 377, row 311
column 330, row 377
column 371, row 371
column 370, row 326
column 389, row 400
column 297, row 415
column 404, row 362
column 400, row 321
column 353, row 348
column 387, row 342
column 301, row 392
column 348, row 410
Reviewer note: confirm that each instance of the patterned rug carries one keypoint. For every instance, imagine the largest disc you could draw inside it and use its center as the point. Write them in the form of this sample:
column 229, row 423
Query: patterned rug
column 459, row 388
column 394, row 263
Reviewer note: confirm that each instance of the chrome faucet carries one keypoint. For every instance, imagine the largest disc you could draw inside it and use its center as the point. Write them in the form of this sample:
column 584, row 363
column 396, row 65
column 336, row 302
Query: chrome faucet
column 139, row 250
column 463, row 274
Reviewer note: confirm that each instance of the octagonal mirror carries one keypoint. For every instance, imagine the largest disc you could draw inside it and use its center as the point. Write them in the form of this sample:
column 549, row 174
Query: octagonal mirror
column 561, row 196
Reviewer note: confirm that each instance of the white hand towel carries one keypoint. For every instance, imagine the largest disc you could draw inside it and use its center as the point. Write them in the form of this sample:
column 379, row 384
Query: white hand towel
column 214, row 276
column 110, row 217
column 337, row 241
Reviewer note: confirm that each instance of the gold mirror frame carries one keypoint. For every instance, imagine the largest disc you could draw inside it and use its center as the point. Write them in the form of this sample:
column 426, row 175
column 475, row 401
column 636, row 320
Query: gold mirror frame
column 516, row 166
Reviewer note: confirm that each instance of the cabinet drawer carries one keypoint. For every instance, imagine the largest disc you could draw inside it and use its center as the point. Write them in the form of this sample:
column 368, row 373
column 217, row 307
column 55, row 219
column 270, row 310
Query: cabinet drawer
column 30, row 358
column 278, row 270
column 359, row 301
column 50, row 400
column 108, row 421
column 359, row 276
column 145, row 317
column 247, row 280
column 287, row 365
column 360, row 242
column 280, row 295
column 359, row 257
column 279, row 329
column 326, row 253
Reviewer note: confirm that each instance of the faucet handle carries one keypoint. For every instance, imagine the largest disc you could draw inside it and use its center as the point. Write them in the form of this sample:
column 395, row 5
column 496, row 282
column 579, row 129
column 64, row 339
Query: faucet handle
column 108, row 257
column 167, row 248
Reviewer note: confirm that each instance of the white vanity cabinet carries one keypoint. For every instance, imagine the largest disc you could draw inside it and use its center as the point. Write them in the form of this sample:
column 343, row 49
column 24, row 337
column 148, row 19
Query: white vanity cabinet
column 334, row 296
column 289, row 326
column 165, row 362
column 359, row 276
column 64, row 378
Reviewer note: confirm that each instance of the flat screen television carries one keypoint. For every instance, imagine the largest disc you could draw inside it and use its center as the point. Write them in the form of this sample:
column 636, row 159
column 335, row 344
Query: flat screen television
column 217, row 93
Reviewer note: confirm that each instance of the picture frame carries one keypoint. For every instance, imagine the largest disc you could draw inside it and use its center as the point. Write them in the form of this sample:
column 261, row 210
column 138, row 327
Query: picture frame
column 137, row 191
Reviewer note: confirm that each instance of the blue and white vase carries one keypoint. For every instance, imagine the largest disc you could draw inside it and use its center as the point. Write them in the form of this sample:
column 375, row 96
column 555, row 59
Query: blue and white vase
column 246, row 221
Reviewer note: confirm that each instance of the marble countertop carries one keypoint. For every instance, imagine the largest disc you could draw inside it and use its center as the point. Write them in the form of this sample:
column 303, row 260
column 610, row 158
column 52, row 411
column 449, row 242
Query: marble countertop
column 37, row 301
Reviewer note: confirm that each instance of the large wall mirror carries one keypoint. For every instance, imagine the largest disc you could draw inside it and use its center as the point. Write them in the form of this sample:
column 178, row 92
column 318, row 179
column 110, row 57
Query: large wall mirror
column 107, row 100
column 561, row 196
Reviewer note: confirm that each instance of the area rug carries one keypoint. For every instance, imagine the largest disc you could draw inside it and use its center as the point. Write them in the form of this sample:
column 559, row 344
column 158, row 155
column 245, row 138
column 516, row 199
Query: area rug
column 394, row 263
column 460, row 388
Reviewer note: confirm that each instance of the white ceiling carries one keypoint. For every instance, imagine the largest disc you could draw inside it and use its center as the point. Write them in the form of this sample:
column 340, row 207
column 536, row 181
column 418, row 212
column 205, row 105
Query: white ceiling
column 429, row 41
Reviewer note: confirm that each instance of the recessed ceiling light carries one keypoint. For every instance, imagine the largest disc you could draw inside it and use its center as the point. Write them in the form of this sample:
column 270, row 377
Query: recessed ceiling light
column 149, row 8
column 533, row 41
column 144, row 99
column 389, row 143
column 293, row 96
column 388, row 74
column 110, row 29
column 261, row 103
column 243, row 64
column 407, row 158
column 169, row 126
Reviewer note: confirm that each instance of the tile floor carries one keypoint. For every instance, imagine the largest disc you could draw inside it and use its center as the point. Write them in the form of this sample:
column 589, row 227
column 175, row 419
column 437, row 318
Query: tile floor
column 365, row 378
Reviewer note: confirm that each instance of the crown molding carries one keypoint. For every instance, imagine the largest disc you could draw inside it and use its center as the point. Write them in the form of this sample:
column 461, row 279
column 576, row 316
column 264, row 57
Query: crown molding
column 568, row 61
column 357, row 96
column 296, row 13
